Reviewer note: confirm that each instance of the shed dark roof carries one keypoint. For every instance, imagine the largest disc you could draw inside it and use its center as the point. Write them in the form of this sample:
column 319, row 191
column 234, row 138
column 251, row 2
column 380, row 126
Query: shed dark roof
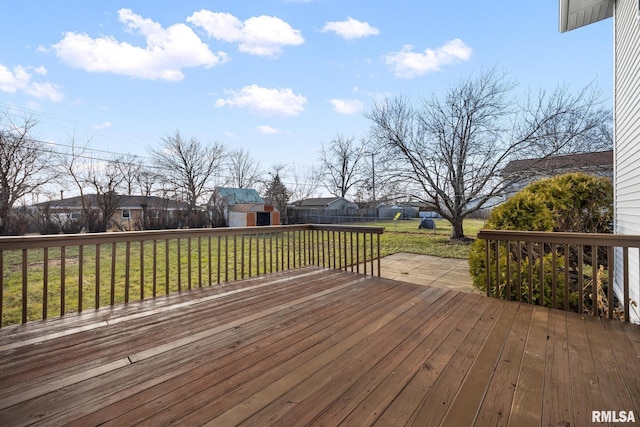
column 236, row 196
column 600, row 159
column 126, row 202
column 319, row 201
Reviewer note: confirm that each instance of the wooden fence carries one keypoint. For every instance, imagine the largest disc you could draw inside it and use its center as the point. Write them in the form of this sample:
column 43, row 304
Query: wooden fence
column 43, row 276
column 570, row 271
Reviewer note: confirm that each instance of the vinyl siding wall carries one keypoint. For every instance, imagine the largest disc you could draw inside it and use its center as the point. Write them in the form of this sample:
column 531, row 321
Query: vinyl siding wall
column 627, row 137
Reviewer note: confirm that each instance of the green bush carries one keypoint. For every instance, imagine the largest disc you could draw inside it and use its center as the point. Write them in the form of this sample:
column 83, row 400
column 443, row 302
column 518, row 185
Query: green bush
column 573, row 202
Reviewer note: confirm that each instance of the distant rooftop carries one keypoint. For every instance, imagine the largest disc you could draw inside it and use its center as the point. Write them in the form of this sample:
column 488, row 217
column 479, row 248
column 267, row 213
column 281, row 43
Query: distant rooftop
column 600, row 159
column 124, row 202
column 319, row 201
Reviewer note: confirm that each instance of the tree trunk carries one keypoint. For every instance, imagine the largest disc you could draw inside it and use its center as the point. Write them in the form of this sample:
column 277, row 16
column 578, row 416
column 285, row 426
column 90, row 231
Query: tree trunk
column 456, row 229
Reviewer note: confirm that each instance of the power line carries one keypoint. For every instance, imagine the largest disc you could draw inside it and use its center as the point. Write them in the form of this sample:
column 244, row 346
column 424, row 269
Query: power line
column 8, row 109
column 119, row 156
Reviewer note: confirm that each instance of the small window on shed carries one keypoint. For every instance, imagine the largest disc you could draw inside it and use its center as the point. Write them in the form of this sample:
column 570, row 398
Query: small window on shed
column 75, row 215
column 126, row 214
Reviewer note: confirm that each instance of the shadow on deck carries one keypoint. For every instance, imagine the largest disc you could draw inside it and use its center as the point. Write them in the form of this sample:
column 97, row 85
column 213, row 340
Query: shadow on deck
column 323, row 347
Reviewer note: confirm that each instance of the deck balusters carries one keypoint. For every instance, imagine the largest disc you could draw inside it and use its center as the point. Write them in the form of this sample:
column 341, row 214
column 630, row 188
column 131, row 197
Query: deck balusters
column 199, row 262
column 154, row 274
column 45, row 283
column 179, row 264
column 63, row 278
column 250, row 257
column 142, row 270
column 25, row 297
column 570, row 271
column 127, row 274
column 97, row 281
column 136, row 260
column 372, row 253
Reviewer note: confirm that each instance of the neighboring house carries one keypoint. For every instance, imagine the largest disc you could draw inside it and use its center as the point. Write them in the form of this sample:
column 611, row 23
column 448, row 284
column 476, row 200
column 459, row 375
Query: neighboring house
column 243, row 207
column 326, row 203
column 128, row 215
column 626, row 101
column 598, row 163
column 324, row 210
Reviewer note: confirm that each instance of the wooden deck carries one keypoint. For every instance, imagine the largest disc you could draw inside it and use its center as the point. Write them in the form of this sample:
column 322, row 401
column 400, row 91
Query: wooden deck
column 321, row 347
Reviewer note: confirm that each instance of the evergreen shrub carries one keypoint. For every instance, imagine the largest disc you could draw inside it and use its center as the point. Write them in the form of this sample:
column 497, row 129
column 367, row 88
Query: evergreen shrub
column 573, row 202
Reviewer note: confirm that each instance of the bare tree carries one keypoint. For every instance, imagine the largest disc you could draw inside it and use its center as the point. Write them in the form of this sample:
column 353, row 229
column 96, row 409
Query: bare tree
column 302, row 182
column 72, row 168
column 244, row 171
column 451, row 152
column 340, row 161
column 148, row 180
column 98, row 183
column 105, row 180
column 189, row 166
column 25, row 165
column 584, row 126
column 130, row 168
column 378, row 181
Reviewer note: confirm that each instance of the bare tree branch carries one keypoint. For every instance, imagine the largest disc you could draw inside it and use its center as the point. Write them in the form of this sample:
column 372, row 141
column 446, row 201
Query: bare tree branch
column 189, row 166
column 130, row 168
column 244, row 171
column 98, row 183
column 24, row 166
column 451, row 151
column 340, row 161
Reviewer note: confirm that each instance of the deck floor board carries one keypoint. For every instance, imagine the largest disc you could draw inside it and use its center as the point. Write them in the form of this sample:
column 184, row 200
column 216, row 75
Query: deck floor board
column 317, row 346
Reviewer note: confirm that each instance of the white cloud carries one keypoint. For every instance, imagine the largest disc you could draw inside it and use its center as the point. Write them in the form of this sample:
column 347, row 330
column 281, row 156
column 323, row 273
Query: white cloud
column 409, row 64
column 166, row 53
column 265, row 100
column 350, row 29
column 20, row 79
column 261, row 35
column 103, row 125
column 347, row 106
column 40, row 70
column 267, row 130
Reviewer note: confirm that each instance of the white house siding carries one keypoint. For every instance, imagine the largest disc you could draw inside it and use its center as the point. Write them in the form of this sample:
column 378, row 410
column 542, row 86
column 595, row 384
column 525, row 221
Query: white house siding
column 627, row 137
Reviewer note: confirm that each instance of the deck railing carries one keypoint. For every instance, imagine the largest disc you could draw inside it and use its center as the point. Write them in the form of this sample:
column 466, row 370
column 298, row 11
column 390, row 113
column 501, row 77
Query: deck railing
column 43, row 276
column 570, row 271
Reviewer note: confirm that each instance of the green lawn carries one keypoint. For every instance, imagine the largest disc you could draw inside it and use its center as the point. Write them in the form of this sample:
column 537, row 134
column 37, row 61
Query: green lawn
column 136, row 271
column 404, row 236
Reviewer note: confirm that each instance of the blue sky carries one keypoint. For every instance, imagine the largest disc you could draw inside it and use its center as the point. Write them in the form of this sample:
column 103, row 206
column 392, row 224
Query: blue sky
column 275, row 77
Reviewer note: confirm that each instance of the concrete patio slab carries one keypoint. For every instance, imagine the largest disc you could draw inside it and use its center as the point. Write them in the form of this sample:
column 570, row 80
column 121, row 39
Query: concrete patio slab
column 428, row 270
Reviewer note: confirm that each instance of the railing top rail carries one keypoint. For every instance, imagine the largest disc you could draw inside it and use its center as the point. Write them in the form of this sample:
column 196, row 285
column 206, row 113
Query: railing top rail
column 348, row 228
column 599, row 239
column 57, row 240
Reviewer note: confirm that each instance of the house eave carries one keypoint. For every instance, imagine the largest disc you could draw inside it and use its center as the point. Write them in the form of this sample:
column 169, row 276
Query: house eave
column 579, row 13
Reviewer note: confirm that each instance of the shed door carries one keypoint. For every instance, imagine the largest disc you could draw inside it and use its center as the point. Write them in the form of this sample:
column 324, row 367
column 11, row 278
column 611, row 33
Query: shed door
column 263, row 218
